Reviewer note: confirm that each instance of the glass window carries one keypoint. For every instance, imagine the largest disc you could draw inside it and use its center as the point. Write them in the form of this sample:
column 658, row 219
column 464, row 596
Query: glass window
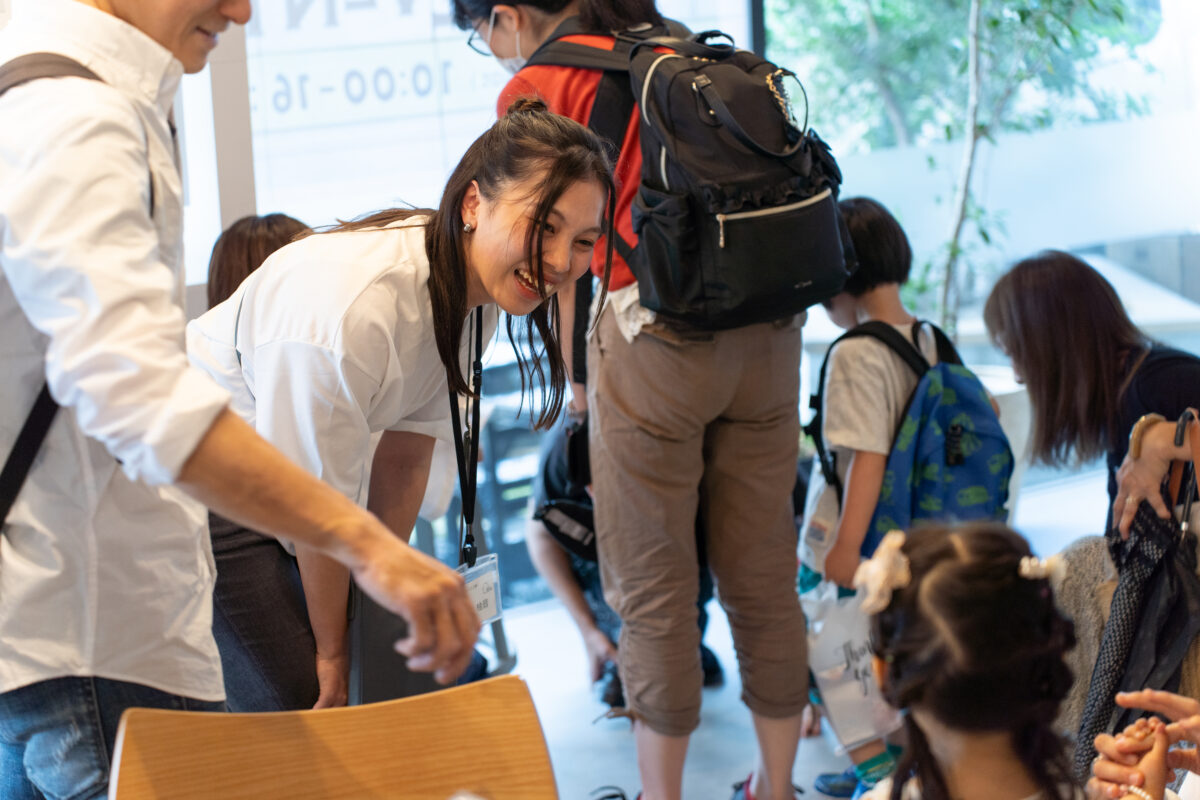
column 1086, row 114
column 358, row 105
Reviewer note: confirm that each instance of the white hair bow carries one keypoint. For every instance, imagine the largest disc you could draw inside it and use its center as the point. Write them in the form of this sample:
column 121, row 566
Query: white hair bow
column 883, row 573
column 1033, row 568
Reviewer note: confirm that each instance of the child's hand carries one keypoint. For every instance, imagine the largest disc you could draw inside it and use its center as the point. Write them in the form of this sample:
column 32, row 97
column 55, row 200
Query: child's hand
column 1137, row 757
column 1184, row 714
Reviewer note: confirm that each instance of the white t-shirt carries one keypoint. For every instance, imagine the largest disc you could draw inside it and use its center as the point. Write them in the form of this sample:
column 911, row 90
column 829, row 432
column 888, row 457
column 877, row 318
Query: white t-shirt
column 867, row 388
column 337, row 343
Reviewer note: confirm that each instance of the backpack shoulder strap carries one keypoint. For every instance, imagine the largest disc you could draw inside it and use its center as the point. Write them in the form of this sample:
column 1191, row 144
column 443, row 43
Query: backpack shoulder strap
column 25, row 449
column 570, row 54
column 41, row 65
column 33, row 433
column 947, row 353
column 895, row 341
column 875, row 330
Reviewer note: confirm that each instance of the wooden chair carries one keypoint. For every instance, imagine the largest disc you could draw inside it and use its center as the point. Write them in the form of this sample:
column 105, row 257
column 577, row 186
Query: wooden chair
column 483, row 738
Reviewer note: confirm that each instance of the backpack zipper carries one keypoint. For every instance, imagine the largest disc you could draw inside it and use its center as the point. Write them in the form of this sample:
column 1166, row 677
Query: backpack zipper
column 646, row 82
column 766, row 212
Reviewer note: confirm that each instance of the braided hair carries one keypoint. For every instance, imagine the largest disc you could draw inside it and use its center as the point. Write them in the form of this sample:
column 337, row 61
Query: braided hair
column 980, row 648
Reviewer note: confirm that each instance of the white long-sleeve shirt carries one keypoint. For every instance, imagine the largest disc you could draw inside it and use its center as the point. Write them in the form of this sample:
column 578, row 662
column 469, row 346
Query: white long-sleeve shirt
column 105, row 569
column 336, row 339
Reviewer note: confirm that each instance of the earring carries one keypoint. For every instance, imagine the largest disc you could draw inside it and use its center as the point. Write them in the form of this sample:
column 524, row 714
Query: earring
column 468, row 228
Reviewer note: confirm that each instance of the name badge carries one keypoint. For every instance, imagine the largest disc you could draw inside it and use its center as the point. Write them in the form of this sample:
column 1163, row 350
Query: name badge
column 483, row 587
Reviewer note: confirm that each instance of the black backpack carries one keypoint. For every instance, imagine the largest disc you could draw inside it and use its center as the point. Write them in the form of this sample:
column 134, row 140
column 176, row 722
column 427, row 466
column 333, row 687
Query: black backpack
column 736, row 212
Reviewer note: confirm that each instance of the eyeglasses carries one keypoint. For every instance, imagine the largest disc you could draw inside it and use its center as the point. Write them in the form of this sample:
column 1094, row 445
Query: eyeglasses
column 482, row 44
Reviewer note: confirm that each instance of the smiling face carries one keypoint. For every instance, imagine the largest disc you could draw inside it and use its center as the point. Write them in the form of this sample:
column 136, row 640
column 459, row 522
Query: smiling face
column 188, row 28
column 498, row 266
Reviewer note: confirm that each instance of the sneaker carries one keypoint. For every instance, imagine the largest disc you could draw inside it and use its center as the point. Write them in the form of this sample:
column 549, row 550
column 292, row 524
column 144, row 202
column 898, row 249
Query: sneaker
column 741, row 789
column 837, row 784
column 713, row 674
column 611, row 793
column 611, row 692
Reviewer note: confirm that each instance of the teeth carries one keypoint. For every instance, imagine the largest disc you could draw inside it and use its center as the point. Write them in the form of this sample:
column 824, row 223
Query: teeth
column 527, row 279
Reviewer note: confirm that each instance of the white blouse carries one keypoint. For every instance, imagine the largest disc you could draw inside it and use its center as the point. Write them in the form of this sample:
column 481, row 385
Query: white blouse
column 336, row 338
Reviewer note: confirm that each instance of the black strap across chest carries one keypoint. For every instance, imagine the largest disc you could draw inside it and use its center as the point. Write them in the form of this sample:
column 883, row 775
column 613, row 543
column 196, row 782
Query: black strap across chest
column 33, row 432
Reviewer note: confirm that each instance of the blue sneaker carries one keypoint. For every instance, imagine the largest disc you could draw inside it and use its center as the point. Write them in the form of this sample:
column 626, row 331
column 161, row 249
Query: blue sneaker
column 837, row 784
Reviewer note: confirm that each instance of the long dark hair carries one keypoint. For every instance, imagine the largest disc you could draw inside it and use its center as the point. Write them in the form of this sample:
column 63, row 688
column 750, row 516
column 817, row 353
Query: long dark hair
column 527, row 143
column 243, row 247
column 1069, row 337
column 979, row 647
column 596, row 15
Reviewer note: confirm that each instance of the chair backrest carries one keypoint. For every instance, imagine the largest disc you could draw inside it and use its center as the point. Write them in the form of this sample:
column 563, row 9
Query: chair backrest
column 483, row 738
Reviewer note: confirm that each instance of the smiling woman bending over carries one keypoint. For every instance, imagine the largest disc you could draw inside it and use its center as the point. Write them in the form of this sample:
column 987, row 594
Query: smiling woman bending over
column 358, row 331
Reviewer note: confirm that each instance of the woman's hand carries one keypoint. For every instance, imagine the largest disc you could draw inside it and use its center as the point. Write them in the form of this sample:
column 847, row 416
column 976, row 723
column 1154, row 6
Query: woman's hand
column 1141, row 479
column 1138, row 757
column 333, row 678
column 1121, row 757
column 1184, row 715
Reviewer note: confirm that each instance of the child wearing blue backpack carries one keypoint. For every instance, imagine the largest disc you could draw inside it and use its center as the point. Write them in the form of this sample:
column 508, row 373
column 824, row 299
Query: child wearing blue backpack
column 903, row 433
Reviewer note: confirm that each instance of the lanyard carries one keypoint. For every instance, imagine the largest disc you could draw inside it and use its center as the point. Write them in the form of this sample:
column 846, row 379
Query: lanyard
column 466, row 447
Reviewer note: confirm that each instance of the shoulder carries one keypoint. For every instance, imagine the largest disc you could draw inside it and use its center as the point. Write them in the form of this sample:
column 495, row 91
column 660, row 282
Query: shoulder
column 1165, row 375
column 861, row 354
column 561, row 88
column 52, row 109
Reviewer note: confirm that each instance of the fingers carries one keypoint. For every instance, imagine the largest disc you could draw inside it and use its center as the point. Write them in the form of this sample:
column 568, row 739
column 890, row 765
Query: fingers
column 1098, row 789
column 419, row 640
column 1124, row 511
column 1184, row 758
column 445, row 644
column 466, row 632
column 1156, row 502
column 1173, row 706
column 442, row 634
column 1121, row 750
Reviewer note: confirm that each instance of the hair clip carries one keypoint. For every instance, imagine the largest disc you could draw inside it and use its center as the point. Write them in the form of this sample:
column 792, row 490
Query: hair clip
column 1053, row 568
column 883, row 573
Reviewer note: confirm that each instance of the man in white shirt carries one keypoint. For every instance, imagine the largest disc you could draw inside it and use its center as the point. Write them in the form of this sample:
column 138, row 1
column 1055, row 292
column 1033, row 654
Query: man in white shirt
column 105, row 568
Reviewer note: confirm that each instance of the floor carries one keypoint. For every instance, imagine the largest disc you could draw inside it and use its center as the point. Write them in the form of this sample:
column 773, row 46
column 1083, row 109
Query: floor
column 588, row 753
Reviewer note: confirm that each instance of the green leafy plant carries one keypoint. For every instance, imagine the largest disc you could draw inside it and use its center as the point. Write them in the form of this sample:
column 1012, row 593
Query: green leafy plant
column 901, row 73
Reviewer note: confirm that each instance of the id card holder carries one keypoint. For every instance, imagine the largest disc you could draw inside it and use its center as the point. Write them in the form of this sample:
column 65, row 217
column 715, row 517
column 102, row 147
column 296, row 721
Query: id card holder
column 483, row 587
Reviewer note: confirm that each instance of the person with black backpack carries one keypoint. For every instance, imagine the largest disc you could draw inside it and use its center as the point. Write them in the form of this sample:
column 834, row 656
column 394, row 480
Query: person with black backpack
column 728, row 231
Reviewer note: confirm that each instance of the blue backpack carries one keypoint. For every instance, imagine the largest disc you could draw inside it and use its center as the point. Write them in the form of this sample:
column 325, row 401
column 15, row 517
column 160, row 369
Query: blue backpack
column 950, row 460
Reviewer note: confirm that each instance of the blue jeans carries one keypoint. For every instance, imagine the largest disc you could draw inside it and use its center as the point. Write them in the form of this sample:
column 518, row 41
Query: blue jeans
column 260, row 622
column 57, row 736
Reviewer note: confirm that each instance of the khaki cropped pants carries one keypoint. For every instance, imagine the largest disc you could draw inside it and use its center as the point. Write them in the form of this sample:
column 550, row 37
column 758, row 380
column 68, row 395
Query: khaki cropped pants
column 683, row 421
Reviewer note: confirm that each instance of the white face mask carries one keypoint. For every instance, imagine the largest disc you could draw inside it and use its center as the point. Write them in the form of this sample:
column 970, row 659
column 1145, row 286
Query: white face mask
column 513, row 63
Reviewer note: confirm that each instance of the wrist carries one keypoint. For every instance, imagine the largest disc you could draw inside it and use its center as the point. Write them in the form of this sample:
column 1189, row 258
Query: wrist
column 359, row 541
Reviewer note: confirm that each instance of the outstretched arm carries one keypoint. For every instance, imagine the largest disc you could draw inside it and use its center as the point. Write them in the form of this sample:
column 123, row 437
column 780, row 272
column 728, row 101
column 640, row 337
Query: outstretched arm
column 237, row 474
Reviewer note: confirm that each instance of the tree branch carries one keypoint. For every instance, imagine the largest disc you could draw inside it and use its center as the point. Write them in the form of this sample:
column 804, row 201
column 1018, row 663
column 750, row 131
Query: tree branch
column 967, row 169
column 891, row 105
